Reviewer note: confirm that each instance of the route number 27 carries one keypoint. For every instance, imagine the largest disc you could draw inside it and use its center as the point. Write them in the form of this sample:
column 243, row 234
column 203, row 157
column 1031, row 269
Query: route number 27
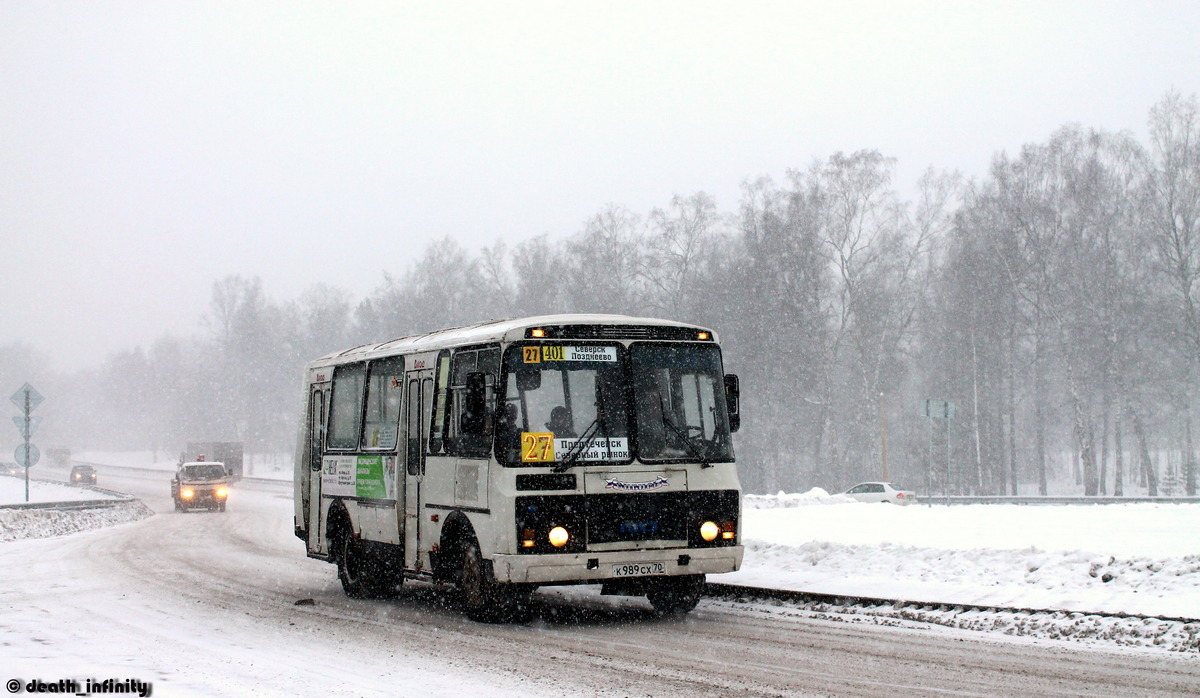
column 537, row 447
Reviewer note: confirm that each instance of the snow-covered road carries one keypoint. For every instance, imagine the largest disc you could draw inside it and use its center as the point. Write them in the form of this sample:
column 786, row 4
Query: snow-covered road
column 204, row 604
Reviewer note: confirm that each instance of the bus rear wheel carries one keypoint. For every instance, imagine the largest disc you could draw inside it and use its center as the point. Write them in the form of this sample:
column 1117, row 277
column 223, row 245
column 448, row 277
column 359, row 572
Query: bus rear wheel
column 676, row 596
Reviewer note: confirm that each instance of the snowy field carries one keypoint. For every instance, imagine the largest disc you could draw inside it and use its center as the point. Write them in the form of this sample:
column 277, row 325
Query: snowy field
column 1119, row 558
column 12, row 491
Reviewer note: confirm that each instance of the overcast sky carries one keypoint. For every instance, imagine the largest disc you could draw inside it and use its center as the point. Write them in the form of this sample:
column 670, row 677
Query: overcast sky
column 149, row 148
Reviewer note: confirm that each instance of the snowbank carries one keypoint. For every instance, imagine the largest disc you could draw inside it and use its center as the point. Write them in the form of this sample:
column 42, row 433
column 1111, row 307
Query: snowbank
column 783, row 500
column 1119, row 558
column 18, row 524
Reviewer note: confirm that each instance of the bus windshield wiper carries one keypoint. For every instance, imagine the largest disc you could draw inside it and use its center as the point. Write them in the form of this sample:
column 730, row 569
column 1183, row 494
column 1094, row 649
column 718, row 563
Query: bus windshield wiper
column 684, row 437
column 580, row 447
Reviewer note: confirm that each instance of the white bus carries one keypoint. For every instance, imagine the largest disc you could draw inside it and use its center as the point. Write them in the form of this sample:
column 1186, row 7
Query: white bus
column 564, row 449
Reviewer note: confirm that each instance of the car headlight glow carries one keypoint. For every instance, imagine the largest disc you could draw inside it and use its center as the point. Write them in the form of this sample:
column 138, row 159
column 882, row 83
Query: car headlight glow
column 222, row 492
column 559, row 536
column 709, row 531
column 187, row 494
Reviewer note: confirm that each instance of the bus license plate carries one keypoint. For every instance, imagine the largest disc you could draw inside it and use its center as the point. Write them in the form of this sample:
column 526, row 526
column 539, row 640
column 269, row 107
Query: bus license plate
column 638, row 569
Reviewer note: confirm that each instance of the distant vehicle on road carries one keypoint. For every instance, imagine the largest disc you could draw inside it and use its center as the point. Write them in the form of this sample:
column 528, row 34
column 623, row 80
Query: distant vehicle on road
column 83, row 475
column 11, row 469
column 881, row 492
column 227, row 452
column 59, row 457
column 200, row 484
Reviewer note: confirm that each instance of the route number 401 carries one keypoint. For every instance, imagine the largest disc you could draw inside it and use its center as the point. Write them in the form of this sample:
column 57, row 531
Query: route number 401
column 537, row 447
column 538, row 354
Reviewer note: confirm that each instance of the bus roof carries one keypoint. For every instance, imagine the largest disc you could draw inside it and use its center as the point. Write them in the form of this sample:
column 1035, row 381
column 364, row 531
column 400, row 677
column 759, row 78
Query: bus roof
column 493, row 331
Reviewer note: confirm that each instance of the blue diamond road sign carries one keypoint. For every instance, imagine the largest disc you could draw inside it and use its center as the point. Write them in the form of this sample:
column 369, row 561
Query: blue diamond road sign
column 35, row 398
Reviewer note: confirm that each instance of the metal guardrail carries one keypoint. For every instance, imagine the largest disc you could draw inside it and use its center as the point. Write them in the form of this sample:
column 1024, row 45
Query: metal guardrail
column 72, row 505
column 117, row 498
column 1038, row 499
column 140, row 469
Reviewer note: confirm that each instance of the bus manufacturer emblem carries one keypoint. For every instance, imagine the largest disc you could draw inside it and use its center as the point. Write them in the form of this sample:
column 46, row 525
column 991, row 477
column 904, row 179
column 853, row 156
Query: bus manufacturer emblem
column 613, row 483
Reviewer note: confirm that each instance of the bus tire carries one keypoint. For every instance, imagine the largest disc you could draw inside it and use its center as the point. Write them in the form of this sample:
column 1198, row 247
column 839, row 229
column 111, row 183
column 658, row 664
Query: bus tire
column 352, row 566
column 485, row 601
column 676, row 596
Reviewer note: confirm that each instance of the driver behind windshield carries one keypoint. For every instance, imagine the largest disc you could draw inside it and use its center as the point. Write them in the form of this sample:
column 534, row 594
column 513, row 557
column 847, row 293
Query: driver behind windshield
column 560, row 423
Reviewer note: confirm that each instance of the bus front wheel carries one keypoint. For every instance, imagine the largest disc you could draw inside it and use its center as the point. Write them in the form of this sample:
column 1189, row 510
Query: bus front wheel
column 352, row 566
column 676, row 596
column 483, row 599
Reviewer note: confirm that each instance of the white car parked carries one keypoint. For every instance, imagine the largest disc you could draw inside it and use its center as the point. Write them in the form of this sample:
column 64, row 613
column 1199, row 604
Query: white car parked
column 881, row 492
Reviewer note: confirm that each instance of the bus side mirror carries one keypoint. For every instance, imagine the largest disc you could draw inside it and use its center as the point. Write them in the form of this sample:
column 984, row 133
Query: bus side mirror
column 733, row 401
column 473, row 419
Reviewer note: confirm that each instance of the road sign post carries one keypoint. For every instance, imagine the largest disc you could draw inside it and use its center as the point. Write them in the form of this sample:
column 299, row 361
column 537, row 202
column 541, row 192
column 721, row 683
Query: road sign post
column 937, row 409
column 27, row 399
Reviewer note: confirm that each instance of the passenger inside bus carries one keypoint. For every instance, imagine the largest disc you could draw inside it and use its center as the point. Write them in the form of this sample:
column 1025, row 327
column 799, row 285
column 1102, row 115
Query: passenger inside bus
column 560, row 423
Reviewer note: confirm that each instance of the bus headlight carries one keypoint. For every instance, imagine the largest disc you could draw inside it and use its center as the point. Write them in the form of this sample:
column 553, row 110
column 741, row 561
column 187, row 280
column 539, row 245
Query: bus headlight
column 559, row 536
column 709, row 531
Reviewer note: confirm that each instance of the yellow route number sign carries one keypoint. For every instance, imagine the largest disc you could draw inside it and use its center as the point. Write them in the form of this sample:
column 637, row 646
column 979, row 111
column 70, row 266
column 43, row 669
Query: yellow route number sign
column 537, row 447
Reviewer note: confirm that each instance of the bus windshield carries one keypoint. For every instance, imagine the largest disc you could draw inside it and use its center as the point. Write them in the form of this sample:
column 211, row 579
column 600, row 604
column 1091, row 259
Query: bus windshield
column 679, row 392
column 563, row 403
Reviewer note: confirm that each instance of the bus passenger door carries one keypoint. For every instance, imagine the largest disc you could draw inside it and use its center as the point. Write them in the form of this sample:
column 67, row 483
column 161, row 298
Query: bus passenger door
column 316, row 441
column 420, row 394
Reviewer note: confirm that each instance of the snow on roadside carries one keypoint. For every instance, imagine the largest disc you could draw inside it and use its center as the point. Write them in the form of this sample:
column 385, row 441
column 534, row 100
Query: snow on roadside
column 785, row 500
column 19, row 524
column 1124, row 558
column 1085, row 628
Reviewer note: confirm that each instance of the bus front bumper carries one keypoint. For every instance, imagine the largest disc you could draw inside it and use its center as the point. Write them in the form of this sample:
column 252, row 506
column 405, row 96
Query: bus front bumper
column 603, row 566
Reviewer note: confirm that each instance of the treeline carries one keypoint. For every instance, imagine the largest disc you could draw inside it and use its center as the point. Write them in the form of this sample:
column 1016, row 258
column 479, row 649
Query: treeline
column 1054, row 302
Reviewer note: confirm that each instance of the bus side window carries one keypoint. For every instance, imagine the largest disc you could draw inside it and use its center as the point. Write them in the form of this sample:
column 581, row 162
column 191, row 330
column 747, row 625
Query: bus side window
column 345, row 409
column 441, row 401
column 385, row 387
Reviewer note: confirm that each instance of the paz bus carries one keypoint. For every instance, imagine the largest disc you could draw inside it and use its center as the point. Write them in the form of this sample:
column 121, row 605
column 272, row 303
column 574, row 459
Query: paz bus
column 511, row 454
